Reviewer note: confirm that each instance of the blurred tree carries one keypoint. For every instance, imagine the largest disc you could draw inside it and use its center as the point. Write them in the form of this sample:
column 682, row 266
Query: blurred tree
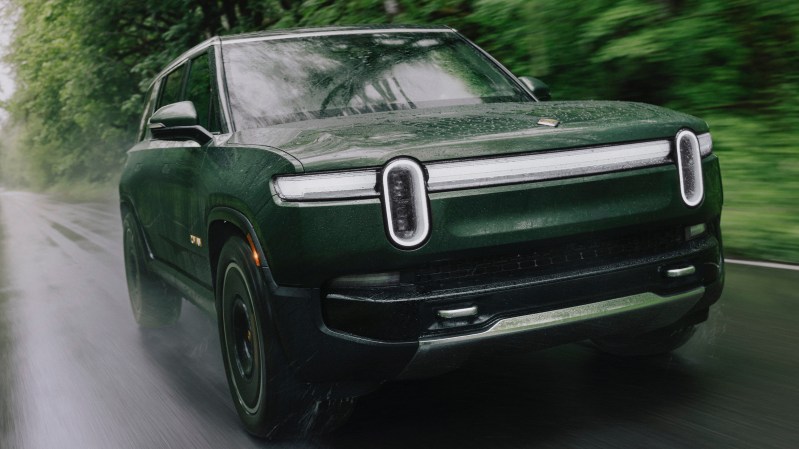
column 81, row 66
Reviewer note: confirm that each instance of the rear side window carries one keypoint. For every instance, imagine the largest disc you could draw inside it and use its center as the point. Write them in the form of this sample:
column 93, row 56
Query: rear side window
column 171, row 86
column 199, row 91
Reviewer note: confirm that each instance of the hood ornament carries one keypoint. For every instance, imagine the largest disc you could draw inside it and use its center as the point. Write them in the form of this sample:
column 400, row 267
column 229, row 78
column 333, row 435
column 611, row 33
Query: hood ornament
column 548, row 122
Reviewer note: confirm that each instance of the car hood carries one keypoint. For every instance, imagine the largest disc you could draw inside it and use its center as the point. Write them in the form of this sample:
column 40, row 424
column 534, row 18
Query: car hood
column 369, row 140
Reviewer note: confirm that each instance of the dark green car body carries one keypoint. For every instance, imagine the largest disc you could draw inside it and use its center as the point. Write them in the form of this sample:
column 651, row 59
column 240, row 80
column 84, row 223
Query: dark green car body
column 497, row 252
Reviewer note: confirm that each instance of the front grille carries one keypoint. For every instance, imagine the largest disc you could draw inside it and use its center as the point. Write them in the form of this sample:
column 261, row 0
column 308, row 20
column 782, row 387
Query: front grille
column 546, row 259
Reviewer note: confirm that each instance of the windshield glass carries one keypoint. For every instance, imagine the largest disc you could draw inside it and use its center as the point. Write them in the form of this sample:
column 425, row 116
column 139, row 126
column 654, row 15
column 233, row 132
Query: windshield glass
column 302, row 78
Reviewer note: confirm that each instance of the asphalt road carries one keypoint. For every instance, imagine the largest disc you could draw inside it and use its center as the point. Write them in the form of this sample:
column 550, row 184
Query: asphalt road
column 76, row 372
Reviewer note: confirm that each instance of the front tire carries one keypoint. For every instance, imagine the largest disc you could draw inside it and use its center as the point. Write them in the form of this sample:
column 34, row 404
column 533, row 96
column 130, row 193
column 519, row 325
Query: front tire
column 269, row 399
column 153, row 303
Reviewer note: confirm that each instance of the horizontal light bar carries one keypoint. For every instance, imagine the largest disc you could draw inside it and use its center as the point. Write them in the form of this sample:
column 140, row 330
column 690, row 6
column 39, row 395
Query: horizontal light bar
column 541, row 166
column 327, row 186
column 487, row 171
column 705, row 144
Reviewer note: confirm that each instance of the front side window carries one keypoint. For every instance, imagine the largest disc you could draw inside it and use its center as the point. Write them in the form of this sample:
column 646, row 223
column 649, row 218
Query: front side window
column 149, row 102
column 199, row 91
column 171, row 87
column 302, row 78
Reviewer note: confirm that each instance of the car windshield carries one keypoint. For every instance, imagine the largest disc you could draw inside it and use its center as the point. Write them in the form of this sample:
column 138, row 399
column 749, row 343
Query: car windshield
column 274, row 81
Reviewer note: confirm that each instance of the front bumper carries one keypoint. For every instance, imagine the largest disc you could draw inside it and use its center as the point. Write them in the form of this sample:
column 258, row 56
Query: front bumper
column 639, row 312
column 358, row 337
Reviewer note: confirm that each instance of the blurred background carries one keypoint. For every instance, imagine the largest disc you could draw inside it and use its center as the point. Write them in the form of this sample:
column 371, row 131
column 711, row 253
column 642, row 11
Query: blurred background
column 76, row 372
column 80, row 68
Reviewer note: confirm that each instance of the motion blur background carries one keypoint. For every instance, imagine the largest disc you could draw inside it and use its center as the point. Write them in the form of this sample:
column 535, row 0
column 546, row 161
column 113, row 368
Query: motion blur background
column 80, row 68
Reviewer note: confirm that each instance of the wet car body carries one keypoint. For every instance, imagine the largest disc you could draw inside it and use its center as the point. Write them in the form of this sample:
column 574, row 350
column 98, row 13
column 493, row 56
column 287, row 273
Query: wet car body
column 513, row 222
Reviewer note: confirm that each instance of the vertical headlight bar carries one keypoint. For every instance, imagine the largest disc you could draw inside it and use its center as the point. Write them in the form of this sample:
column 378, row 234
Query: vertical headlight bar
column 689, row 165
column 405, row 204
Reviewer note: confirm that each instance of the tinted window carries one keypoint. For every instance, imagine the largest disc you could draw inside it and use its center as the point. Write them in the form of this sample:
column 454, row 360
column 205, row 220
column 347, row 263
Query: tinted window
column 285, row 80
column 198, row 91
column 171, row 87
column 149, row 102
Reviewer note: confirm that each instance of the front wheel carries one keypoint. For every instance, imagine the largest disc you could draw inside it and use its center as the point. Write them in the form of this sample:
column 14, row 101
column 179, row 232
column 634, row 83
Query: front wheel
column 269, row 399
column 657, row 342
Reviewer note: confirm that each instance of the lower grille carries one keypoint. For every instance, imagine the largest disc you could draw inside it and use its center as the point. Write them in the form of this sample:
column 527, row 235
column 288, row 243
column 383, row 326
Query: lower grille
column 566, row 256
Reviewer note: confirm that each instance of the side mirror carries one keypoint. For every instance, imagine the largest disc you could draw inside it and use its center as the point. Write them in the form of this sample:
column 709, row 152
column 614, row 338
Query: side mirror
column 178, row 121
column 537, row 87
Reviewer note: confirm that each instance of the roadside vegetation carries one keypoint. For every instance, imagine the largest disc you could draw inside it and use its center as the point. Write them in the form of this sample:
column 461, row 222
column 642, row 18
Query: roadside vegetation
column 82, row 66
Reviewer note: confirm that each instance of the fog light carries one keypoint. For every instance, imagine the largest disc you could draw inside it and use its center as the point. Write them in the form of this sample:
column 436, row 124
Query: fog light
column 695, row 231
column 391, row 279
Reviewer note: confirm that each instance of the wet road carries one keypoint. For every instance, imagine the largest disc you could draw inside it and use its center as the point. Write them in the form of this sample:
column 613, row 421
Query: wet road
column 76, row 372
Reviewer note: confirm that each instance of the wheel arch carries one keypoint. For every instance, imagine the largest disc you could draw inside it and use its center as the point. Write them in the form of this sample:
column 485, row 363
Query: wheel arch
column 224, row 222
column 126, row 206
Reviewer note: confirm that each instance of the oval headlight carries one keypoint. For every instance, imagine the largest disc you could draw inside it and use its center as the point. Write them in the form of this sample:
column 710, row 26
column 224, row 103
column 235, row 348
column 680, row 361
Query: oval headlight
column 689, row 165
column 405, row 206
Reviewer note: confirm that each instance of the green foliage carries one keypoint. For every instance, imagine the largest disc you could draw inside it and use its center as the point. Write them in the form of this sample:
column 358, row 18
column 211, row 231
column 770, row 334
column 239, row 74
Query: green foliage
column 760, row 171
column 82, row 67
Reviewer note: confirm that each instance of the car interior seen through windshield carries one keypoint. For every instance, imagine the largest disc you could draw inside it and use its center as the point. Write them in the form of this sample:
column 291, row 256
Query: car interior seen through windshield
column 287, row 80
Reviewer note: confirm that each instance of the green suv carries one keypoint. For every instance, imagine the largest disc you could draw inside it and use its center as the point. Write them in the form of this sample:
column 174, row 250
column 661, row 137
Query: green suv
column 361, row 204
